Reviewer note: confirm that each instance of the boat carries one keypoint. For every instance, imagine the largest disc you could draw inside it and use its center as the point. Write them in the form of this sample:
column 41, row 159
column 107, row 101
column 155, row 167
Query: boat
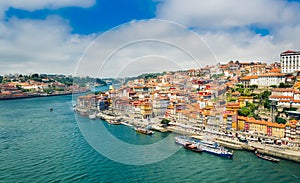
column 114, row 122
column 215, row 148
column 265, row 157
column 51, row 109
column 126, row 123
column 144, row 131
column 206, row 146
column 180, row 140
column 92, row 116
column 192, row 147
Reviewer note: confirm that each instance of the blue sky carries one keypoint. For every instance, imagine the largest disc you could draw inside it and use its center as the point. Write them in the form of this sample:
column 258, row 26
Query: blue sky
column 104, row 15
column 51, row 36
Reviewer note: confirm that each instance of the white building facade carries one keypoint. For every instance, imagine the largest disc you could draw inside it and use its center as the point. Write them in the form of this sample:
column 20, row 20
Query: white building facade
column 290, row 61
column 269, row 79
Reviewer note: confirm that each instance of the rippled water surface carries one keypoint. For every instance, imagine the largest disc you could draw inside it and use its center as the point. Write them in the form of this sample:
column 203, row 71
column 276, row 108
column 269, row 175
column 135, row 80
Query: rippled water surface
column 37, row 145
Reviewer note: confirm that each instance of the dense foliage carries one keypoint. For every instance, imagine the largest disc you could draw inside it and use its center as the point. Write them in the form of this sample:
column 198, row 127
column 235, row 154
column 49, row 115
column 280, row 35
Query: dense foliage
column 165, row 122
column 67, row 80
column 280, row 120
column 248, row 110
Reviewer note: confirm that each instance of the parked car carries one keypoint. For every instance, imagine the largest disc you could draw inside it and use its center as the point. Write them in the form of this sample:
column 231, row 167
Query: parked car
column 268, row 141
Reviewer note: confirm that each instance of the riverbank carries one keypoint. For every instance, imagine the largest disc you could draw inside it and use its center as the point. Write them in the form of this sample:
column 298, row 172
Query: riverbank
column 14, row 97
column 281, row 151
column 228, row 142
column 39, row 146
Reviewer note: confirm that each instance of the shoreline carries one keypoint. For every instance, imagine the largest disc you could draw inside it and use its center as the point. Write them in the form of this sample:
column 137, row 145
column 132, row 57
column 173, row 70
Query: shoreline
column 280, row 151
column 228, row 142
column 36, row 96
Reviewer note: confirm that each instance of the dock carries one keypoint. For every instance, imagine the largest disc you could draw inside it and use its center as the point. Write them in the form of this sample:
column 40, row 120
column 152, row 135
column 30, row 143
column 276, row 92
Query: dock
column 229, row 143
column 159, row 128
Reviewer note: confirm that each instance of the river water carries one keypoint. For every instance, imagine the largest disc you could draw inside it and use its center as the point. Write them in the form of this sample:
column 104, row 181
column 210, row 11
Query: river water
column 37, row 145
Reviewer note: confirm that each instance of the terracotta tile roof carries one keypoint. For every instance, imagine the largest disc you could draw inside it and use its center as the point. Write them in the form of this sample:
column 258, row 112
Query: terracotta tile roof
column 271, row 75
column 275, row 125
column 283, row 89
column 248, row 77
column 232, row 105
column 277, row 96
column 284, row 101
column 275, row 70
column 289, row 51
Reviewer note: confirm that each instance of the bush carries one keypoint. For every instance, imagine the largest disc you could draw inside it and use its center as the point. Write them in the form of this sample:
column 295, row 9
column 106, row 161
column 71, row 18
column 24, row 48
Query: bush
column 281, row 120
column 165, row 122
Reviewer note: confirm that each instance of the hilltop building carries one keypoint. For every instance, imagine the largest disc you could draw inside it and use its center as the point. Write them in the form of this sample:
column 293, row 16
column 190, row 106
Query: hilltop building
column 290, row 61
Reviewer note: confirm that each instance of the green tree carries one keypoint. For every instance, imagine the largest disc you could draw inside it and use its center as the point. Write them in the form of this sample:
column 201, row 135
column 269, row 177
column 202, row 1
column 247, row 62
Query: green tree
column 165, row 122
column 248, row 110
column 282, row 85
column 240, row 85
column 35, row 75
column 241, row 90
column 265, row 95
column 280, row 120
column 233, row 99
column 232, row 90
column 267, row 104
column 247, row 92
column 273, row 86
column 252, row 87
column 244, row 111
column 100, row 81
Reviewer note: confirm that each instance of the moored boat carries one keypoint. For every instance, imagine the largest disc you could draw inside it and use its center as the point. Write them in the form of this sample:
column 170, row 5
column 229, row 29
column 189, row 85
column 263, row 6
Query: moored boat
column 144, row 131
column 265, row 157
column 192, row 147
column 92, row 116
column 114, row 122
column 206, row 146
column 219, row 151
column 181, row 140
column 215, row 148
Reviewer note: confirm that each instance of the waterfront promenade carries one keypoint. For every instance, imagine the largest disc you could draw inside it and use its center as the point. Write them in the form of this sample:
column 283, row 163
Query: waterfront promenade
column 281, row 151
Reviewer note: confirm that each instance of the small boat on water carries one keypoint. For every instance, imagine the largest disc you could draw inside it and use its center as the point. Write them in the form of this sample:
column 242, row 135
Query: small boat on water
column 114, row 122
column 92, row 116
column 265, row 157
column 181, row 140
column 192, row 147
column 206, row 146
column 215, row 148
column 126, row 123
column 144, row 131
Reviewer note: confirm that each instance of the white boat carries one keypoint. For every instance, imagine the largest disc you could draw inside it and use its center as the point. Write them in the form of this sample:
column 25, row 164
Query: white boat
column 144, row 131
column 92, row 116
column 206, row 146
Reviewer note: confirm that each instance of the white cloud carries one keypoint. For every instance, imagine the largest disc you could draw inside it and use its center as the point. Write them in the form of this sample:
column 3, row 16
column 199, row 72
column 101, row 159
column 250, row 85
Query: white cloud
column 145, row 46
column 243, row 46
column 226, row 26
column 44, row 46
column 229, row 13
column 48, row 46
column 31, row 5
